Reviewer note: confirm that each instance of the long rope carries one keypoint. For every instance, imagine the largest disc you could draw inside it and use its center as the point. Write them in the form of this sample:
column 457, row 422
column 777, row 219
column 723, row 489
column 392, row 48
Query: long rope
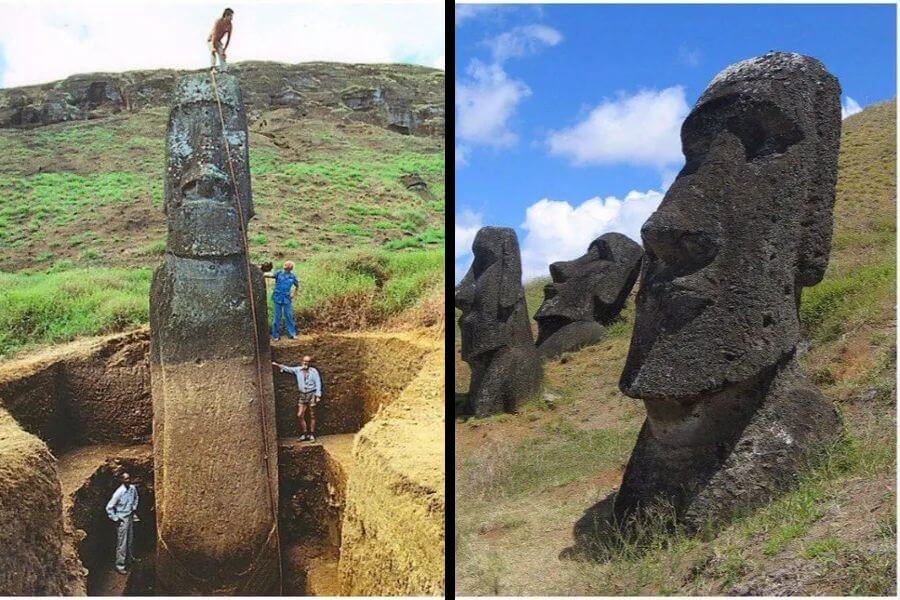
column 259, row 378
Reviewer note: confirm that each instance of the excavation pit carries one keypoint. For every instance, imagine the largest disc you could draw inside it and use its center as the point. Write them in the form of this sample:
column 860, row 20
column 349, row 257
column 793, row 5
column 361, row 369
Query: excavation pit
column 90, row 404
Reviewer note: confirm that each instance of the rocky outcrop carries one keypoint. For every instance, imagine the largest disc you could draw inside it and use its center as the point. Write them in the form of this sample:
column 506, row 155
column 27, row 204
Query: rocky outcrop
column 495, row 328
column 744, row 227
column 586, row 294
column 403, row 98
column 211, row 377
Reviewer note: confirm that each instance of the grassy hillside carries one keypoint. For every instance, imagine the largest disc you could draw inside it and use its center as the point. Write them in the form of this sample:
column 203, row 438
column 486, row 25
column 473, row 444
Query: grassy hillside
column 81, row 225
column 523, row 480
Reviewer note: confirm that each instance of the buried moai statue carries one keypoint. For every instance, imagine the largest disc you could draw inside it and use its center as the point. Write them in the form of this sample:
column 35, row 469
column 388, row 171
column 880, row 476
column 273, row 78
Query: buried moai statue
column 214, row 440
column 586, row 294
column 496, row 330
column 745, row 226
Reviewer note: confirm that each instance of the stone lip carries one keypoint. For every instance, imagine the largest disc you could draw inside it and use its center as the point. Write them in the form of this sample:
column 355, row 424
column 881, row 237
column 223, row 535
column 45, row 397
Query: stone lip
column 495, row 328
column 404, row 98
column 709, row 483
column 587, row 293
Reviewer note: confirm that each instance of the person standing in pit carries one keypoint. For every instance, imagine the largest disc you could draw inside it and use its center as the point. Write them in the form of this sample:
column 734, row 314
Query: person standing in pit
column 310, row 383
column 120, row 509
column 221, row 27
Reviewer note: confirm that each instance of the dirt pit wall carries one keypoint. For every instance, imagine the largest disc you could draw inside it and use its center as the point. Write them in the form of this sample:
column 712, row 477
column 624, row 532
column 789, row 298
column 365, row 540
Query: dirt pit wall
column 393, row 529
column 31, row 518
column 88, row 392
column 359, row 374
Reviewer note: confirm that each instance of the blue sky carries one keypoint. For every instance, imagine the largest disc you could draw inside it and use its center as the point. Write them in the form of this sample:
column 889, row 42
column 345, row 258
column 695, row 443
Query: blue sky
column 568, row 115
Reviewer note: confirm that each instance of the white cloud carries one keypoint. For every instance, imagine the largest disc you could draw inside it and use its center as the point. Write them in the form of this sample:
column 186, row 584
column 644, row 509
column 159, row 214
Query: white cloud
column 42, row 42
column 642, row 129
column 556, row 230
column 528, row 39
column 849, row 107
column 689, row 57
column 467, row 225
column 485, row 103
column 461, row 155
column 464, row 12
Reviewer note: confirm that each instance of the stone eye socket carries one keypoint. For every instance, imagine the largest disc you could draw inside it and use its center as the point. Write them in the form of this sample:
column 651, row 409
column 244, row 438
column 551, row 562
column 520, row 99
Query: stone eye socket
column 762, row 127
column 683, row 252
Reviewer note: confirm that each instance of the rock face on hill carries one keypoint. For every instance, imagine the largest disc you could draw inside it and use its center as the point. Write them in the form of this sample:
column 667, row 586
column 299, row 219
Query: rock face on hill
column 213, row 396
column 745, row 226
column 586, row 294
column 496, row 333
column 403, row 98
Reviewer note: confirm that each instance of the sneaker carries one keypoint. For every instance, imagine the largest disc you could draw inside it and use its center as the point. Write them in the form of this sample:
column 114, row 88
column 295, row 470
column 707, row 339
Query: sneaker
column 121, row 571
column 311, row 438
column 303, row 437
column 276, row 339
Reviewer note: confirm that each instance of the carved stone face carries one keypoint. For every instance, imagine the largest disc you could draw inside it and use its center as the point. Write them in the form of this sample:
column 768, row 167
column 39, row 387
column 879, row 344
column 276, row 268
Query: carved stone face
column 594, row 286
column 743, row 228
column 488, row 294
column 200, row 196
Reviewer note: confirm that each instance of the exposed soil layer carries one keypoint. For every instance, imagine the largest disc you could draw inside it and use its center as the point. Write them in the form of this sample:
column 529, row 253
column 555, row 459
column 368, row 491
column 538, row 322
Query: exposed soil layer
column 90, row 401
column 31, row 526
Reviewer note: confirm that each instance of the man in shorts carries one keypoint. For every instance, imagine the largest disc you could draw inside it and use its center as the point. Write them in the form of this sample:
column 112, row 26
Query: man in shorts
column 310, row 384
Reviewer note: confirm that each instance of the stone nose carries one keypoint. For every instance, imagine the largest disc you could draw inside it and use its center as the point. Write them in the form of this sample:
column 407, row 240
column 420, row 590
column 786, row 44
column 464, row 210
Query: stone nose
column 561, row 271
column 678, row 245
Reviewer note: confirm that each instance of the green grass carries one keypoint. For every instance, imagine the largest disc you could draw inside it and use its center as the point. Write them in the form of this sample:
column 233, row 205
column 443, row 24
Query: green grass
column 45, row 308
column 843, row 302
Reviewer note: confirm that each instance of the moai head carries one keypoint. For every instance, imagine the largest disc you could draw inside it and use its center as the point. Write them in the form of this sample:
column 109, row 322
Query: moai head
column 745, row 226
column 200, row 197
column 593, row 287
column 489, row 294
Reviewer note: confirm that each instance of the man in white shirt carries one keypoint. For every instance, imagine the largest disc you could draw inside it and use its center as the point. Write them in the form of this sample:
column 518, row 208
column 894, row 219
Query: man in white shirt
column 120, row 509
column 310, row 384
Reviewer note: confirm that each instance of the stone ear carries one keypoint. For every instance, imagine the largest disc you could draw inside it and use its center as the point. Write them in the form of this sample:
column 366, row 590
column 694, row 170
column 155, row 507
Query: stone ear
column 510, row 272
column 817, row 220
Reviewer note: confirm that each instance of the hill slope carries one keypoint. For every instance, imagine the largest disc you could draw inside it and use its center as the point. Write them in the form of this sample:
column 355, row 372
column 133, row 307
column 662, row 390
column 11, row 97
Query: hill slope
column 347, row 166
column 523, row 480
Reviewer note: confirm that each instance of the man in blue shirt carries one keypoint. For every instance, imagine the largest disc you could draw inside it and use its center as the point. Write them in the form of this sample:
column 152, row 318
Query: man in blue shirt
column 286, row 287
column 120, row 509
column 310, row 384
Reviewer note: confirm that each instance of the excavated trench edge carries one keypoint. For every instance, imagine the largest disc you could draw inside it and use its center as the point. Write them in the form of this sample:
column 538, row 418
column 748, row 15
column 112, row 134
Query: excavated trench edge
column 313, row 477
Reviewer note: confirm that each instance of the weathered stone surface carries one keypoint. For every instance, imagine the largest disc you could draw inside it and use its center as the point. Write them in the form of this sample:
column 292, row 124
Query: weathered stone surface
column 496, row 331
column 215, row 454
column 745, row 226
column 586, row 294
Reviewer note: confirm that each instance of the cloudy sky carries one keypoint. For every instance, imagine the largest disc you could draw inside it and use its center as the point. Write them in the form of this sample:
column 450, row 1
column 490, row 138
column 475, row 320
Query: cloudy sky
column 568, row 117
column 44, row 41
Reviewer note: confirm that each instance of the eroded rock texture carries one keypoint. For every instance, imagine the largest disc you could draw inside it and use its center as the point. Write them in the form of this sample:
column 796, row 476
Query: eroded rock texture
column 496, row 332
column 745, row 226
column 215, row 454
column 586, row 294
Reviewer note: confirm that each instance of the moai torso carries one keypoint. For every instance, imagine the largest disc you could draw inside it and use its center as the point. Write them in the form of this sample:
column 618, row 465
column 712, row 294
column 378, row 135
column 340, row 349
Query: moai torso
column 214, row 440
column 744, row 227
column 496, row 331
column 586, row 294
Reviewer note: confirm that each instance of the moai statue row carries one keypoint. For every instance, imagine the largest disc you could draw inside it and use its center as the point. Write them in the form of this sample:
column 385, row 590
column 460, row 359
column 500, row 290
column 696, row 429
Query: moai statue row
column 586, row 294
column 214, row 440
column 744, row 227
column 496, row 329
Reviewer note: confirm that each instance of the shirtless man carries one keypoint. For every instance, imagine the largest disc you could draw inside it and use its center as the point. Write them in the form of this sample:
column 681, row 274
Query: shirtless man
column 222, row 26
